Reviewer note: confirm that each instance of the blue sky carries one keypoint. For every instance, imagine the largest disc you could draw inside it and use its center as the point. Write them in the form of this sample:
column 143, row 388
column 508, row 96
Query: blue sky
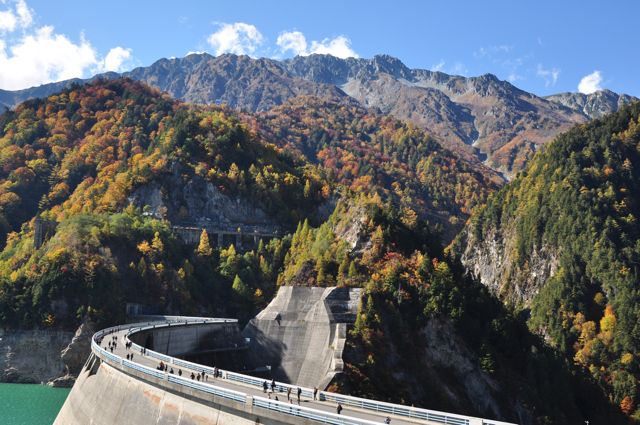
column 543, row 46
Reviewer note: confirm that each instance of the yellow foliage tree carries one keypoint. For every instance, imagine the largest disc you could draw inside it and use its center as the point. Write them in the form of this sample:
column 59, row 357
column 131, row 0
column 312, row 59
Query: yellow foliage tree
column 607, row 325
column 204, row 248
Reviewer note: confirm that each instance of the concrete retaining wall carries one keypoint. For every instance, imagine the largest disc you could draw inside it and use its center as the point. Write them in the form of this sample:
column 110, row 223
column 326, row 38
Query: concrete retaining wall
column 193, row 339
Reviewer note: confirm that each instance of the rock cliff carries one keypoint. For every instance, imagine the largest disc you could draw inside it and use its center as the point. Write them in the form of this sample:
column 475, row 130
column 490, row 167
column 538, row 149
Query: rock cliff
column 44, row 356
column 191, row 199
column 492, row 260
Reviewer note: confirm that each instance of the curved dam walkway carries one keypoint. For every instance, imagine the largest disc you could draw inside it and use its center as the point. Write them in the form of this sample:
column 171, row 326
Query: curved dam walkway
column 117, row 388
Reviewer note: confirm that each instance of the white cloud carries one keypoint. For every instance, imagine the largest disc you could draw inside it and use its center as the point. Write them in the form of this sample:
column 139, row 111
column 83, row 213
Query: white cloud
column 117, row 59
column 293, row 41
column 296, row 42
column 458, row 68
column 39, row 55
column 339, row 47
column 8, row 21
column 550, row 76
column 590, row 83
column 238, row 38
column 18, row 17
column 44, row 57
column 25, row 17
column 491, row 51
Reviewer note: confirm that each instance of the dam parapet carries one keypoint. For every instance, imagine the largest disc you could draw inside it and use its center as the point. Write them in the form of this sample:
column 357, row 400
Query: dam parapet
column 118, row 384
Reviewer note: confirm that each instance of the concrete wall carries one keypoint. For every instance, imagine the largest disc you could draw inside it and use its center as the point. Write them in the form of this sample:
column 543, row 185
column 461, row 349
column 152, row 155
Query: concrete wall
column 302, row 332
column 185, row 340
column 104, row 395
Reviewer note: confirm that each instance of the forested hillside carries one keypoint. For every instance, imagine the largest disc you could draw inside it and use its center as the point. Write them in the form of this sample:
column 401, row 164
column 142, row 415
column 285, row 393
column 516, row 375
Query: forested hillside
column 75, row 157
column 366, row 153
column 562, row 244
column 91, row 157
column 426, row 334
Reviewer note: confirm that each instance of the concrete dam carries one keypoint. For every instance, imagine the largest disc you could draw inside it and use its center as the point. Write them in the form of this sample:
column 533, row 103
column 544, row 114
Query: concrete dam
column 299, row 336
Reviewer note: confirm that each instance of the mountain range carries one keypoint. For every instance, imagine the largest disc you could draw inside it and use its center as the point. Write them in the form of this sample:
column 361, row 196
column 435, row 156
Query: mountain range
column 482, row 118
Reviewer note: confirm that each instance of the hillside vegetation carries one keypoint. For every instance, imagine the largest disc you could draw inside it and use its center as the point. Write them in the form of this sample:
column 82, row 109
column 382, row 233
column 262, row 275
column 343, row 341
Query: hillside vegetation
column 576, row 207
column 78, row 158
column 75, row 158
column 428, row 335
column 368, row 153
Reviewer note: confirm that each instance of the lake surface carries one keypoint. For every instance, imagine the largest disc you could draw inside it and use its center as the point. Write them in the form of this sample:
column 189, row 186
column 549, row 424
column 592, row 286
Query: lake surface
column 30, row 404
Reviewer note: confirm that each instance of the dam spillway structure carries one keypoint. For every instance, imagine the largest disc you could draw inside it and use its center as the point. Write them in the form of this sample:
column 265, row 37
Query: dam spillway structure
column 126, row 383
column 301, row 334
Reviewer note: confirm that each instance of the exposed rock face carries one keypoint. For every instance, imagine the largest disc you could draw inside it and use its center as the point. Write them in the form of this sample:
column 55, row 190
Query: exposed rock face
column 76, row 353
column 445, row 351
column 302, row 332
column 480, row 117
column 32, row 356
column 44, row 356
column 353, row 231
column 493, row 261
column 240, row 81
column 594, row 105
column 194, row 200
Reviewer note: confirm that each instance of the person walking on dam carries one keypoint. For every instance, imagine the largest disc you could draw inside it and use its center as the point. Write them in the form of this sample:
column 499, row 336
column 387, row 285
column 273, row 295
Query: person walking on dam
column 265, row 386
column 339, row 408
column 315, row 393
column 289, row 393
column 299, row 393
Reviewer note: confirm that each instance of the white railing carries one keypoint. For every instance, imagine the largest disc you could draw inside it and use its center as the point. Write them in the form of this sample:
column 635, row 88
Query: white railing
column 396, row 409
column 306, row 412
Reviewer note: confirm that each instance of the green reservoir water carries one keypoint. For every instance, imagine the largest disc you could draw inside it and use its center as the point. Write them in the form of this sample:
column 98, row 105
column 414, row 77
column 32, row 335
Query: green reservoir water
column 30, row 404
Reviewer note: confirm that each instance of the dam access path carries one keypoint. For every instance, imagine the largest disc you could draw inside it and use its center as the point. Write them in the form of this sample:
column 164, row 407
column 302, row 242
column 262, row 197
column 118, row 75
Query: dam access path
column 126, row 385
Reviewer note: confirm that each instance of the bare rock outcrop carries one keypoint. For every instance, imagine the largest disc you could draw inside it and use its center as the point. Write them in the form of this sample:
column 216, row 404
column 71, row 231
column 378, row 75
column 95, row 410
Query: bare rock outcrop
column 191, row 199
column 493, row 261
column 44, row 356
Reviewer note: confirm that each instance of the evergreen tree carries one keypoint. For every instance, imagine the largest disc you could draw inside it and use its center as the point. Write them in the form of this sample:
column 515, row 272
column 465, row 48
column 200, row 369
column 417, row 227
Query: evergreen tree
column 204, row 248
column 240, row 288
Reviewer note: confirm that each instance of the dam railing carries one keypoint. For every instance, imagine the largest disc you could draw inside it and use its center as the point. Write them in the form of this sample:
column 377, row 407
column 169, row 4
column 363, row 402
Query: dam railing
column 306, row 412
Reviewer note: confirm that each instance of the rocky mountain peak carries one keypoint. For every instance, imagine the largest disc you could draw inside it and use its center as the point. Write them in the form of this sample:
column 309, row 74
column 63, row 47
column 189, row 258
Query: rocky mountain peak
column 594, row 105
column 392, row 66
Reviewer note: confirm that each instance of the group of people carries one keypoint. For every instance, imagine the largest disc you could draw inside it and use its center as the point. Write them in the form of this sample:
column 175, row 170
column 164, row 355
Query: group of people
column 271, row 389
column 200, row 376
column 112, row 344
column 267, row 388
